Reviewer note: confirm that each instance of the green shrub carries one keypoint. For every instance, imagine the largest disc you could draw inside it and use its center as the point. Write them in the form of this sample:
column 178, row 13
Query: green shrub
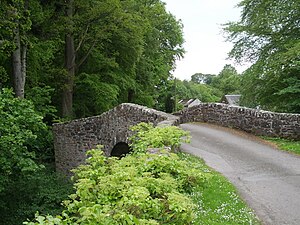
column 137, row 189
column 147, row 136
column 20, row 126
column 144, row 188
column 25, row 143
column 42, row 191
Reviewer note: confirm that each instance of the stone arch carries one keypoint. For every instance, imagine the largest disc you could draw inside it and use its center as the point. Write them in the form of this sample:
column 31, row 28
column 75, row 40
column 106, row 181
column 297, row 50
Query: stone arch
column 72, row 139
column 120, row 149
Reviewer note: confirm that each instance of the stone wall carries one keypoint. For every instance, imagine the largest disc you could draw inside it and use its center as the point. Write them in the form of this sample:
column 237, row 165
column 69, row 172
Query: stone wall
column 74, row 138
column 253, row 121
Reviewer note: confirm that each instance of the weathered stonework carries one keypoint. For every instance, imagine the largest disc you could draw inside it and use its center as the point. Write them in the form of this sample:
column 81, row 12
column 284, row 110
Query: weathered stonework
column 74, row 138
column 253, row 121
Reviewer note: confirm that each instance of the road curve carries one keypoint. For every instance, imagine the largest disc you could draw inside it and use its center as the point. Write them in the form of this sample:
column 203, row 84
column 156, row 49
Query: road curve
column 267, row 179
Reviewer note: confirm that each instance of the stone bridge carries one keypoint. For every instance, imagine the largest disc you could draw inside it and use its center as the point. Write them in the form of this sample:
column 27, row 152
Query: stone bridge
column 111, row 129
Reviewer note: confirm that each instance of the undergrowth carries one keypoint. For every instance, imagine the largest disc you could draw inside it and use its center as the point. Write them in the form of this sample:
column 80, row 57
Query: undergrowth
column 143, row 188
column 285, row 144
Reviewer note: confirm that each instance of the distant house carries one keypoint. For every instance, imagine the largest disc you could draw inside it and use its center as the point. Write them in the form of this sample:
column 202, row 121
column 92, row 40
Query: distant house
column 231, row 99
column 189, row 102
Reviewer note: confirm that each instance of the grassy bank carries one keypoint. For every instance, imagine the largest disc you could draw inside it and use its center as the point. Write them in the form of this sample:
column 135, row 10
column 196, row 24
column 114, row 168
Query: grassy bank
column 284, row 144
column 218, row 202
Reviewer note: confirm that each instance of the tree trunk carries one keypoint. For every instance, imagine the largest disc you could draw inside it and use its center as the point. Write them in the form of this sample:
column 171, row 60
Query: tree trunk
column 19, row 58
column 67, row 95
column 19, row 65
column 130, row 95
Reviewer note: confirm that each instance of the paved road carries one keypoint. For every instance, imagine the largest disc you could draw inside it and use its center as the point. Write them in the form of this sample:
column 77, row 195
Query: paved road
column 268, row 179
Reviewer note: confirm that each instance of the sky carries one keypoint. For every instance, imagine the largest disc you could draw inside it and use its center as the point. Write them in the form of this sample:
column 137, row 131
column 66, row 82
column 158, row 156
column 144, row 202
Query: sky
column 205, row 45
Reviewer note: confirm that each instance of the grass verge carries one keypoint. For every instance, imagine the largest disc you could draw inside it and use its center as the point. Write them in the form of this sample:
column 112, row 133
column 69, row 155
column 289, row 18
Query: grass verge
column 218, row 201
column 285, row 144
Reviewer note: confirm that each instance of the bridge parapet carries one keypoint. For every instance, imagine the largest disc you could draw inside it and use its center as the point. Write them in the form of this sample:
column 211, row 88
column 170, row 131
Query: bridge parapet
column 72, row 139
column 254, row 121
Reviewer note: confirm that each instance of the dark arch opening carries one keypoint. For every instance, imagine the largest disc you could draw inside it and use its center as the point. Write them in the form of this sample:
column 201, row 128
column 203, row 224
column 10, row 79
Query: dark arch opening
column 120, row 150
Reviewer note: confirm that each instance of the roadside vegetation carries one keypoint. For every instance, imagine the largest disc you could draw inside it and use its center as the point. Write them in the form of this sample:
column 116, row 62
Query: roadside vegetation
column 28, row 181
column 218, row 201
column 285, row 144
column 144, row 188
column 61, row 60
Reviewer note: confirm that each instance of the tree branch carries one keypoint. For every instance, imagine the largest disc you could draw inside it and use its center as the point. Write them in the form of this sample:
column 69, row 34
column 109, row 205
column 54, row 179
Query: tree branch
column 86, row 55
column 82, row 39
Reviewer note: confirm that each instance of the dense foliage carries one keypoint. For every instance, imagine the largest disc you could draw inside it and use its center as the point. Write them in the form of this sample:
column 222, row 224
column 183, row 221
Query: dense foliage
column 147, row 136
column 95, row 54
column 145, row 188
column 140, row 188
column 25, row 147
column 42, row 191
column 92, row 54
column 267, row 35
column 19, row 130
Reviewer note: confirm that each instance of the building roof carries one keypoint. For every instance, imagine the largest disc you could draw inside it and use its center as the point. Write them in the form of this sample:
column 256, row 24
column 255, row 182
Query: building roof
column 231, row 99
column 189, row 102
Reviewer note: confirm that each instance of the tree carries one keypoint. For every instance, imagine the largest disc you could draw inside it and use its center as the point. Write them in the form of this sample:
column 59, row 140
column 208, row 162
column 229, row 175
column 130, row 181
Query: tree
column 163, row 45
column 86, row 26
column 268, row 36
column 130, row 45
column 109, row 68
column 70, row 59
column 228, row 81
column 110, row 51
column 200, row 78
column 176, row 90
column 16, row 22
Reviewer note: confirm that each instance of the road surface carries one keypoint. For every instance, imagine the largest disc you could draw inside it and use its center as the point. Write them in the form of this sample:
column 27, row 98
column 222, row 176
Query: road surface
column 267, row 179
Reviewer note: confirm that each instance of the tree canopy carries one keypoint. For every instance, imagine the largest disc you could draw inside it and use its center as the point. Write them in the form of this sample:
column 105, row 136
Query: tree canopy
column 267, row 35
column 228, row 81
column 93, row 54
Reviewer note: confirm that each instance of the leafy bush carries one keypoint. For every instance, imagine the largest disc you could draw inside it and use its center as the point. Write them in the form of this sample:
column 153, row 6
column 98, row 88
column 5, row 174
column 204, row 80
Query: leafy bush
column 140, row 188
column 143, row 188
column 25, row 142
column 41, row 98
column 42, row 191
column 147, row 136
column 20, row 127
